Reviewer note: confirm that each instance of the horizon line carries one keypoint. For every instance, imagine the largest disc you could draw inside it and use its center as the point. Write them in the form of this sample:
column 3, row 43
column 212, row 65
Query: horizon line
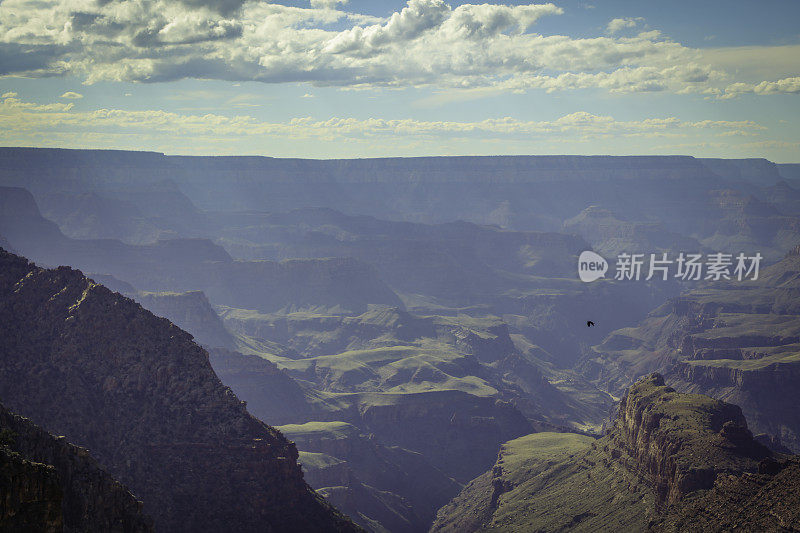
column 451, row 156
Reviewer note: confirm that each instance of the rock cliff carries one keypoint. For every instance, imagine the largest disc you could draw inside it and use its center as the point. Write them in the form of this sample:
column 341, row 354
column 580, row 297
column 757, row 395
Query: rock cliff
column 50, row 485
column 135, row 390
column 763, row 501
column 736, row 341
column 679, row 443
column 31, row 495
column 190, row 311
column 665, row 451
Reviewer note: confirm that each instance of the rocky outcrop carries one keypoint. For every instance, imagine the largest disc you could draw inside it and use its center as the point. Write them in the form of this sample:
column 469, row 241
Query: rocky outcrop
column 768, row 500
column 680, row 443
column 134, row 389
column 95, row 216
column 784, row 196
column 50, row 485
column 665, row 452
column 777, row 379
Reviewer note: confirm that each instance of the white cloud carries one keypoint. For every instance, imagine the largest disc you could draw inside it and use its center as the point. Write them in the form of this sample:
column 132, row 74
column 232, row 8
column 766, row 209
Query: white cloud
column 417, row 17
column 488, row 20
column 72, row 95
column 619, row 24
column 784, row 86
column 13, row 106
column 426, row 43
column 326, row 4
column 19, row 116
column 689, row 77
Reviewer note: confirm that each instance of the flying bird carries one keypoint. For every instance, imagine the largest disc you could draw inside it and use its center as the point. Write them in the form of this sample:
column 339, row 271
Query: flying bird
column 589, row 324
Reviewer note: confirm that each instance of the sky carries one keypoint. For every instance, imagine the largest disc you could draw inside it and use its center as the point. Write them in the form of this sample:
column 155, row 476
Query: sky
column 334, row 79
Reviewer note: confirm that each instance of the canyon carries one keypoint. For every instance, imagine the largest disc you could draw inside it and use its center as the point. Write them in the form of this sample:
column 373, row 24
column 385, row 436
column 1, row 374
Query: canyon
column 379, row 329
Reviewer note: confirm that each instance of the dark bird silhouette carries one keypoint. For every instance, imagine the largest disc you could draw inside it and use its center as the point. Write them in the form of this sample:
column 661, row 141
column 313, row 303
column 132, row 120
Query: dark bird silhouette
column 589, row 324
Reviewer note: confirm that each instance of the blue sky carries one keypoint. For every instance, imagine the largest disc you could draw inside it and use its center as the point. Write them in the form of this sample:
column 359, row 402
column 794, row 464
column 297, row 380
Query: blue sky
column 329, row 79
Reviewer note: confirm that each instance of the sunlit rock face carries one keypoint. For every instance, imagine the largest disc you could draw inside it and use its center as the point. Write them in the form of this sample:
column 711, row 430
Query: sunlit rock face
column 666, row 456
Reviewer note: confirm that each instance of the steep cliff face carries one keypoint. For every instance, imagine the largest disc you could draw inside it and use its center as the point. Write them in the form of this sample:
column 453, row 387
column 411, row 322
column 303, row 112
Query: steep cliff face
column 679, row 443
column 134, row 389
column 754, row 170
column 31, row 496
column 765, row 501
column 742, row 221
column 517, row 192
column 426, row 189
column 49, row 484
column 190, row 311
column 664, row 449
column 767, row 392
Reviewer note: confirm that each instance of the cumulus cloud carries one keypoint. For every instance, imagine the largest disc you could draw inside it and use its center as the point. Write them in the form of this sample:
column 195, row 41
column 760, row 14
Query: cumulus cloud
column 426, row 43
column 224, row 7
column 618, row 24
column 784, row 86
column 12, row 105
column 488, row 20
column 685, row 78
column 326, row 4
column 417, row 17
column 72, row 95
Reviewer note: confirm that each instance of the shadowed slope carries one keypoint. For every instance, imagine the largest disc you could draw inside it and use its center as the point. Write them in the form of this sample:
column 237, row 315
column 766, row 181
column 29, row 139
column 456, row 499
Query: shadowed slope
column 92, row 365
column 47, row 483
